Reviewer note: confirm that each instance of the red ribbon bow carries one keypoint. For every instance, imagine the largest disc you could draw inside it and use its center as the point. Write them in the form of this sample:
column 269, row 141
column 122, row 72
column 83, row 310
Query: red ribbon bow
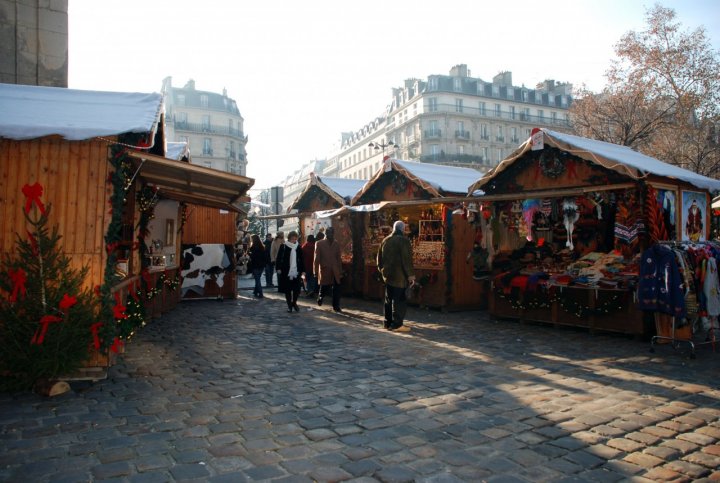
column 117, row 343
column 96, row 339
column 119, row 308
column 67, row 302
column 32, row 195
column 18, row 279
column 45, row 321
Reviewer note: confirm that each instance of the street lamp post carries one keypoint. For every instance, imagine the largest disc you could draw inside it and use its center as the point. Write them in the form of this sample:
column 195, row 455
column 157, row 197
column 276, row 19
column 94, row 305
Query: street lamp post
column 379, row 146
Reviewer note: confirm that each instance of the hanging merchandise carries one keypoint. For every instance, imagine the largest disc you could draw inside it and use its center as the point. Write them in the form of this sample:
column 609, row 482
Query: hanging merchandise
column 529, row 208
column 661, row 288
column 570, row 216
column 628, row 225
column 655, row 217
column 711, row 290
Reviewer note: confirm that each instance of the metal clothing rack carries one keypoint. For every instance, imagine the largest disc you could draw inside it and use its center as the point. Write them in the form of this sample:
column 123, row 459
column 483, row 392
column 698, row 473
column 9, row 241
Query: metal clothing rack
column 674, row 341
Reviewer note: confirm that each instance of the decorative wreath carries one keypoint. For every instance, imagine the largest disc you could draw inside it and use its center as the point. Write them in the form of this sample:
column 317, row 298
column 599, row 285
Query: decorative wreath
column 551, row 165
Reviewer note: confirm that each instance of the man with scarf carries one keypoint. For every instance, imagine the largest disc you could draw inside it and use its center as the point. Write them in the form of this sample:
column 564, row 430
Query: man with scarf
column 394, row 262
column 290, row 268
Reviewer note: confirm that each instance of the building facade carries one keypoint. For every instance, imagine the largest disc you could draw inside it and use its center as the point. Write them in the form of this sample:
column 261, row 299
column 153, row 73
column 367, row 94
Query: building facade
column 34, row 42
column 453, row 119
column 209, row 123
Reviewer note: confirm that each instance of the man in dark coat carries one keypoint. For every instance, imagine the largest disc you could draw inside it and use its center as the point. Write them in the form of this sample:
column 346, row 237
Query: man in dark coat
column 394, row 261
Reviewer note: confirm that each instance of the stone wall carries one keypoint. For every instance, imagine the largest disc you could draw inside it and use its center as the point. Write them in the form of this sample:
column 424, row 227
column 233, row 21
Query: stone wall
column 34, row 42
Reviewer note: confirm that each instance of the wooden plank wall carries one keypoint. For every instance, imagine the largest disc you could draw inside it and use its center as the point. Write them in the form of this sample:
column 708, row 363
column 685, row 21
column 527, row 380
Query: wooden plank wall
column 466, row 291
column 208, row 225
column 73, row 175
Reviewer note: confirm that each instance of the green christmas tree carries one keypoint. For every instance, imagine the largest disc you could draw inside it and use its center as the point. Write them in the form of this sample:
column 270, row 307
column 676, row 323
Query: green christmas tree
column 47, row 319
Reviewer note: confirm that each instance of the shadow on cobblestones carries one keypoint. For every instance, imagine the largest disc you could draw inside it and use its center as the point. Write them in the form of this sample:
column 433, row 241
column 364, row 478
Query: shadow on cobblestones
column 244, row 391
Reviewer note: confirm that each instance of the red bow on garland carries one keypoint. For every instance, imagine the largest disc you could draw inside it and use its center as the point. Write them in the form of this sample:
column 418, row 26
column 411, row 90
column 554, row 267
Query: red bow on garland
column 18, row 278
column 117, row 343
column 45, row 321
column 119, row 308
column 96, row 339
column 32, row 195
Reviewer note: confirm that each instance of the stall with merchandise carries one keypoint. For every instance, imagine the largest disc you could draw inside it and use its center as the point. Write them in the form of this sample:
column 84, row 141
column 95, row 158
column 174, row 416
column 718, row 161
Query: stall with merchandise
column 565, row 220
column 420, row 194
column 323, row 195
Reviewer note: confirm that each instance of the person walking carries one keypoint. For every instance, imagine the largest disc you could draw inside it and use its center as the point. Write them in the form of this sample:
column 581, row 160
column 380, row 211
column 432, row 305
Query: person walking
column 257, row 263
column 327, row 267
column 394, row 262
column 276, row 244
column 269, row 267
column 290, row 267
column 308, row 250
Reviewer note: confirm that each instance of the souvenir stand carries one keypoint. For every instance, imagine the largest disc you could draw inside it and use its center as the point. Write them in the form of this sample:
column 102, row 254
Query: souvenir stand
column 324, row 195
column 568, row 218
column 413, row 192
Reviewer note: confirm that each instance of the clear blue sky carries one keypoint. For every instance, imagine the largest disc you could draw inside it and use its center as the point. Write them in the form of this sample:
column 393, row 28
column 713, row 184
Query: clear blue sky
column 302, row 72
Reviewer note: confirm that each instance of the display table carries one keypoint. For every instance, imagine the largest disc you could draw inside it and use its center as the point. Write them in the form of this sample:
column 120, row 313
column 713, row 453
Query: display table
column 596, row 309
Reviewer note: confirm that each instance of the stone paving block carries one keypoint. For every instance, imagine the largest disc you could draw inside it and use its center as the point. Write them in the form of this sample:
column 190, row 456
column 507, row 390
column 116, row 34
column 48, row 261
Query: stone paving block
column 626, row 445
column 363, row 467
column 687, row 468
column 112, row 470
column 151, row 477
column 623, row 467
column 644, row 459
column 395, row 474
column 697, row 438
column 663, row 433
column 264, row 472
column 704, row 459
column 682, row 446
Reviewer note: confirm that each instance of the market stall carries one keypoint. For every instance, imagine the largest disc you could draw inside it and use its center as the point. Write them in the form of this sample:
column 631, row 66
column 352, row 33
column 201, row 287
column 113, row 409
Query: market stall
column 565, row 220
column 324, row 195
column 441, row 238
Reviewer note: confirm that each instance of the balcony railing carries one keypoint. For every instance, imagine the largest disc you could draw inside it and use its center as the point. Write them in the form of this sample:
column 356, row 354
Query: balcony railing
column 508, row 115
column 462, row 135
column 207, row 152
column 207, row 128
column 433, row 133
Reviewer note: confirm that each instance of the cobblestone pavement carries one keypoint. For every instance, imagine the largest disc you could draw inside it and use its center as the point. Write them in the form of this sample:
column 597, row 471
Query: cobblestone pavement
column 243, row 391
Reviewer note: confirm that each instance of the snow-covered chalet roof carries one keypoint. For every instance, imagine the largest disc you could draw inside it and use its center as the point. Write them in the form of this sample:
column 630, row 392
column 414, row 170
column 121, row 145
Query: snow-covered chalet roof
column 622, row 159
column 345, row 187
column 438, row 179
column 29, row 112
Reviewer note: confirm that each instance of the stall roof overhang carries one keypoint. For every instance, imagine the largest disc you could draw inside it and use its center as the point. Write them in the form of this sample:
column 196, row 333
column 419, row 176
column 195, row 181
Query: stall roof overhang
column 181, row 181
column 31, row 112
column 437, row 179
column 336, row 188
column 611, row 156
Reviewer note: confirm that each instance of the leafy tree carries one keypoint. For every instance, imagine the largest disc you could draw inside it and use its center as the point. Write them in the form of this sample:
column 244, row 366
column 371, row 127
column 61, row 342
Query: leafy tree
column 662, row 96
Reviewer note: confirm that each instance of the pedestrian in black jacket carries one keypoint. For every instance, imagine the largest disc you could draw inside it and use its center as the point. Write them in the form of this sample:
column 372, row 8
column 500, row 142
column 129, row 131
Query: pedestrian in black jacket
column 257, row 263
